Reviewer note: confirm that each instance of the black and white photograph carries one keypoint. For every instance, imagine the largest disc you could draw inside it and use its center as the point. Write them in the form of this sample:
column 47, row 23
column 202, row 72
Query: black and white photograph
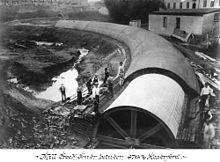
column 110, row 75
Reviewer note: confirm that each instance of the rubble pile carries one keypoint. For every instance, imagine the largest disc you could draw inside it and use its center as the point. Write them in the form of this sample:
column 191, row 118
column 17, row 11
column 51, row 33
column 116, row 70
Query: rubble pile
column 20, row 127
column 51, row 132
column 57, row 127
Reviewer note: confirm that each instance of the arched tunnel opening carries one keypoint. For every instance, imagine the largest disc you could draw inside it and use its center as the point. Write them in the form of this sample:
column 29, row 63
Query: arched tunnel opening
column 132, row 127
column 146, row 119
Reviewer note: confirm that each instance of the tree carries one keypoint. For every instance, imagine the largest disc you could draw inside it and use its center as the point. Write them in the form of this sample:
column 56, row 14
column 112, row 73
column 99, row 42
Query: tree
column 124, row 11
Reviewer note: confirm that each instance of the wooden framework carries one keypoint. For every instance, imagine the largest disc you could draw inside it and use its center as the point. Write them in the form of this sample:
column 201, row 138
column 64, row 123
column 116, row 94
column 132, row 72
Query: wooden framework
column 134, row 135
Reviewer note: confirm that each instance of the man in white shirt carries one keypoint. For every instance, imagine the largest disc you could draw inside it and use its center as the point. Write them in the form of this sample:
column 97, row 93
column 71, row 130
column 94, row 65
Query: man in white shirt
column 121, row 73
column 205, row 92
column 208, row 134
column 95, row 95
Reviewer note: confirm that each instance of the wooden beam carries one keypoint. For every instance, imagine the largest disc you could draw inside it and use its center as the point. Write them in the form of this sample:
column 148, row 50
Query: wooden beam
column 112, row 140
column 119, row 143
column 95, row 129
column 116, row 127
column 133, row 130
column 112, row 145
column 149, row 146
column 150, row 132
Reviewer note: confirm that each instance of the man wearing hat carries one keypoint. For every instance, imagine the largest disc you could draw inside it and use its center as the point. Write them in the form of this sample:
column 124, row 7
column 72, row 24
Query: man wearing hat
column 95, row 95
column 205, row 92
column 63, row 92
column 95, row 79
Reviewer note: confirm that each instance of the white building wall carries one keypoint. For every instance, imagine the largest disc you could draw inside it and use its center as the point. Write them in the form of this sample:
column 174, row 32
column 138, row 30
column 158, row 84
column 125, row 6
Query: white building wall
column 216, row 4
column 199, row 3
column 156, row 25
column 208, row 23
column 191, row 24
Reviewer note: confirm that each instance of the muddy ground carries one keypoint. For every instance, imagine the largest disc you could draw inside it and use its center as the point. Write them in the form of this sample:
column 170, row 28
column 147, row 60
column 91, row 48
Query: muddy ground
column 22, row 123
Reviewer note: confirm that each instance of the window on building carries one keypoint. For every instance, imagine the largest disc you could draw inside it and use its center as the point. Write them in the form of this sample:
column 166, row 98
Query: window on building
column 164, row 22
column 212, row 3
column 178, row 23
column 194, row 5
column 187, row 5
column 174, row 5
column 205, row 3
column 181, row 5
column 168, row 5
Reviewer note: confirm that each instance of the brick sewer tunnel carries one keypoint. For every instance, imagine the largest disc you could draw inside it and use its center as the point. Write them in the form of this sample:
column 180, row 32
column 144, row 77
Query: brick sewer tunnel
column 145, row 115
column 160, row 85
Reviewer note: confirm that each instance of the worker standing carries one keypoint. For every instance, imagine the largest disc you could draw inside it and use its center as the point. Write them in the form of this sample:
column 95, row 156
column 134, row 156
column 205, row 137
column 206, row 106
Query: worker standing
column 95, row 95
column 106, row 76
column 95, row 80
column 121, row 73
column 79, row 95
column 63, row 92
column 209, row 134
column 207, row 115
column 110, row 86
column 205, row 92
column 89, row 86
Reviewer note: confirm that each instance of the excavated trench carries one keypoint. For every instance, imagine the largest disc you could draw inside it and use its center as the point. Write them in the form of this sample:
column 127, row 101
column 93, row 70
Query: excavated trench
column 38, row 58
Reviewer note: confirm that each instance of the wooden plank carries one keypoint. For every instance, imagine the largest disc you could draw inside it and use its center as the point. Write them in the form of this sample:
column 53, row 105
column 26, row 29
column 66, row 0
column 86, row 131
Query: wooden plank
column 111, row 145
column 116, row 126
column 95, row 129
column 133, row 130
column 192, row 137
column 149, row 146
column 184, row 134
column 113, row 140
column 150, row 132
column 119, row 143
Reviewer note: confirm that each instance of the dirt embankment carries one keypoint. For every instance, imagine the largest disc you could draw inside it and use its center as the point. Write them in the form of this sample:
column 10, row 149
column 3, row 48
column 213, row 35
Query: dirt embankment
column 34, row 65
column 37, row 64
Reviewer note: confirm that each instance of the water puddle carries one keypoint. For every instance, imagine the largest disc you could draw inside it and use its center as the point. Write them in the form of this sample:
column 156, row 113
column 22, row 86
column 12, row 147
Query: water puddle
column 47, row 43
column 30, row 24
column 68, row 78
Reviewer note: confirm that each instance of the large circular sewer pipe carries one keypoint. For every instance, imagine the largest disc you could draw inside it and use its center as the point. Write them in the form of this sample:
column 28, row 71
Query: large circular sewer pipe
column 146, row 115
column 161, row 82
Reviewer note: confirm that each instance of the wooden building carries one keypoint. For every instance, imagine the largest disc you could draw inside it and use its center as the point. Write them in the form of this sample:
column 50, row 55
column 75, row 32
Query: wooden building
column 196, row 21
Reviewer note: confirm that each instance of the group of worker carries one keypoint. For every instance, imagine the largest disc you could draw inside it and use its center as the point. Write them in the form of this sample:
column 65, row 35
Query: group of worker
column 93, row 87
column 208, row 126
